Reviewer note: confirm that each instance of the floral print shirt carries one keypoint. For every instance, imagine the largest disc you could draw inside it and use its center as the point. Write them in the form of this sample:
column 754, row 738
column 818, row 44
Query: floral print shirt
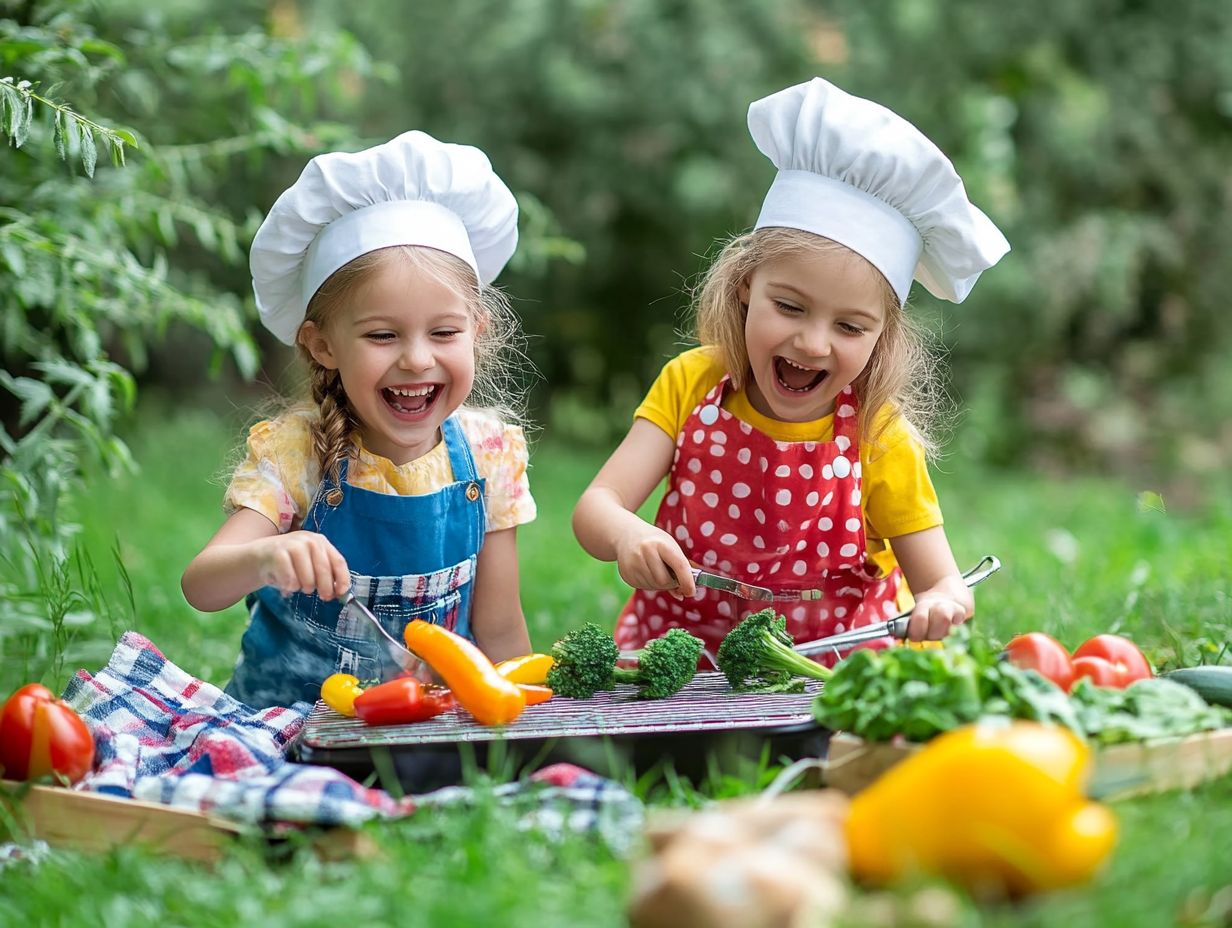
column 279, row 475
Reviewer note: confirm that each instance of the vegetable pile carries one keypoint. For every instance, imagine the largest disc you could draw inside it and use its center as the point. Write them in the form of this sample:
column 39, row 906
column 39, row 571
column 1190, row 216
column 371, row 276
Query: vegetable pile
column 922, row 693
column 492, row 694
column 582, row 663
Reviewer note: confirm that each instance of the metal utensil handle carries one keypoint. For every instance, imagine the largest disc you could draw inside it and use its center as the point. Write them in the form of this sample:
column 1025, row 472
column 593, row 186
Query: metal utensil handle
column 987, row 566
column 897, row 626
column 401, row 655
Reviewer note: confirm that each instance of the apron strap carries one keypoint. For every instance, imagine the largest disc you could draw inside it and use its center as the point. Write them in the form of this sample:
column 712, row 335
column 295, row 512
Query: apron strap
column 460, row 457
column 464, row 471
column 847, row 415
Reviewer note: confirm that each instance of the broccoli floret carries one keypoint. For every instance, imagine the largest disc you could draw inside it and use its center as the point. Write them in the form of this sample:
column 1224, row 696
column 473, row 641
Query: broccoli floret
column 585, row 659
column 664, row 665
column 757, row 655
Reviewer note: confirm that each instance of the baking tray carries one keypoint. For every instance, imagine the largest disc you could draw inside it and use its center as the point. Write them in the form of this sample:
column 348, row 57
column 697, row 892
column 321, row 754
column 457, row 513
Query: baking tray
column 703, row 730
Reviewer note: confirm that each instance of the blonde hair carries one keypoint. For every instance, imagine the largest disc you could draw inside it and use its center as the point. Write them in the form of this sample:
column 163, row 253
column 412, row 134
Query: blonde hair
column 500, row 364
column 900, row 374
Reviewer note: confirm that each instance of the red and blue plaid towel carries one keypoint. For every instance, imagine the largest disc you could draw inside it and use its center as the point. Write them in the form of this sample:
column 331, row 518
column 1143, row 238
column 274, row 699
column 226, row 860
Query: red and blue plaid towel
column 164, row 736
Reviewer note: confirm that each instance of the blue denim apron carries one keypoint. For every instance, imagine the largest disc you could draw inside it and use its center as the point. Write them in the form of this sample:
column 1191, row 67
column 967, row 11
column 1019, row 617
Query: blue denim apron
column 410, row 557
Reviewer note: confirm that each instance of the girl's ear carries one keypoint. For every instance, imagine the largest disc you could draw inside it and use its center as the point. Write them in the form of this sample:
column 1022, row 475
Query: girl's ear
column 317, row 344
column 742, row 292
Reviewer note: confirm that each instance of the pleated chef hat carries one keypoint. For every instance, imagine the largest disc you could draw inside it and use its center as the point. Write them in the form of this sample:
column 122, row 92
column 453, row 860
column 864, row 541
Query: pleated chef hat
column 412, row 190
column 854, row 172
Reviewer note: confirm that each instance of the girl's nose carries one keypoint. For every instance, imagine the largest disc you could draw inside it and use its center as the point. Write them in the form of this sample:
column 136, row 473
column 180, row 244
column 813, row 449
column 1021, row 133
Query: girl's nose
column 417, row 355
column 814, row 341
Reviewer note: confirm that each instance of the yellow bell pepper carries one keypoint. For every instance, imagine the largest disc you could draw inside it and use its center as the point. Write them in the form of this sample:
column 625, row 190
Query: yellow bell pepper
column 529, row 668
column 339, row 690
column 991, row 806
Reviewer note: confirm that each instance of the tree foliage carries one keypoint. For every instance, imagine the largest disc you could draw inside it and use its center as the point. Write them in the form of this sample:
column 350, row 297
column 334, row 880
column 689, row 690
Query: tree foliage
column 100, row 260
column 1097, row 134
column 1094, row 132
column 627, row 122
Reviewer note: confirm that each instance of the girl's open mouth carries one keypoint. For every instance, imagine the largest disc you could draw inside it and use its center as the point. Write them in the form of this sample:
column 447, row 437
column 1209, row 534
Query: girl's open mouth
column 411, row 402
column 796, row 378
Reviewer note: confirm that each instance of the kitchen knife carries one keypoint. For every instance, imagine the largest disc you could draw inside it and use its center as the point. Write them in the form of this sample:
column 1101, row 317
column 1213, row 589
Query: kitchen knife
column 728, row 585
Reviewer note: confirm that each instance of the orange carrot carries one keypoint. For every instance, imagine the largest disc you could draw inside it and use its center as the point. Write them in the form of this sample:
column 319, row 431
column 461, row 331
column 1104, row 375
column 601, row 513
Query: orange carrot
column 475, row 682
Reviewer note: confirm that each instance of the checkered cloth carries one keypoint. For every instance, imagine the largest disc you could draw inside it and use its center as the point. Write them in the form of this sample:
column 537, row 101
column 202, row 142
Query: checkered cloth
column 164, row 736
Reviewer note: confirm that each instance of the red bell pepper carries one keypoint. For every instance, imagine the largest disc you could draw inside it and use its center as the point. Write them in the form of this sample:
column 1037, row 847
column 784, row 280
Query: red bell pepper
column 42, row 735
column 402, row 701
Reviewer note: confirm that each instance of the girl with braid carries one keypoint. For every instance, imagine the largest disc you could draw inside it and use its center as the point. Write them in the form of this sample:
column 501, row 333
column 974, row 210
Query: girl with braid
column 403, row 479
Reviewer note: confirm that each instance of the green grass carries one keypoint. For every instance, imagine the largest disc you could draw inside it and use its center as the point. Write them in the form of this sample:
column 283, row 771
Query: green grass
column 1080, row 555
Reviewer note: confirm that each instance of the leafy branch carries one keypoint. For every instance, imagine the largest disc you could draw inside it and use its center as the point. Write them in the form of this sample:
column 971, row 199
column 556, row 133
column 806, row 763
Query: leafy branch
column 17, row 99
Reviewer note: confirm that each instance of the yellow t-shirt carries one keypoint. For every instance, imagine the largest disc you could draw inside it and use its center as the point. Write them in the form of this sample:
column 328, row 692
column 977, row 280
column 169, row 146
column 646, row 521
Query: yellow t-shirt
column 280, row 475
column 897, row 493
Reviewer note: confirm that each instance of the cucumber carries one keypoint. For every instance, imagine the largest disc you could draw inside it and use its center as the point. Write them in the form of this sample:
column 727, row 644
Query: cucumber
column 1212, row 682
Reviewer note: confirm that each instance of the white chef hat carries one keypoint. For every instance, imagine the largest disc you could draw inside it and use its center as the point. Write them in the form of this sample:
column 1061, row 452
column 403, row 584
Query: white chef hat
column 854, row 172
column 412, row 190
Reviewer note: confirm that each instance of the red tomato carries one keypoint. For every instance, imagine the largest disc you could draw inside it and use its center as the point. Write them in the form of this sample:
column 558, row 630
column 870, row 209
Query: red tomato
column 40, row 734
column 1122, row 653
column 1099, row 671
column 1043, row 654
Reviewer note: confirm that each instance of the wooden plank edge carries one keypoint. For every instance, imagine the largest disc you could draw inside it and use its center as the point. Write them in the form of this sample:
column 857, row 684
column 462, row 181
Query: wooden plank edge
column 97, row 822
column 1118, row 771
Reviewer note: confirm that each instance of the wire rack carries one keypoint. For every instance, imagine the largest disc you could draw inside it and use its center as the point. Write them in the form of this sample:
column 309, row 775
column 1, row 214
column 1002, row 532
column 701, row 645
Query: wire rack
column 705, row 704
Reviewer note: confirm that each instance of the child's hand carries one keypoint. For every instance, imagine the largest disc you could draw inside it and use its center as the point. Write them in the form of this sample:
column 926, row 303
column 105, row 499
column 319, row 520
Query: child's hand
column 650, row 559
column 302, row 562
column 936, row 612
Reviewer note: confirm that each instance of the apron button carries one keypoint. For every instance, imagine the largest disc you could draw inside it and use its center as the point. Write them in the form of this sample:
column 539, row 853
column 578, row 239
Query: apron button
column 842, row 467
column 334, row 497
column 472, row 492
column 709, row 415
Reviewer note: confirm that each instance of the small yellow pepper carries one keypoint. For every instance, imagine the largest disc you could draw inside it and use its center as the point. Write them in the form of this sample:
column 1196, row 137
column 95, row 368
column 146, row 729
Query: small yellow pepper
column 339, row 691
column 529, row 668
column 994, row 807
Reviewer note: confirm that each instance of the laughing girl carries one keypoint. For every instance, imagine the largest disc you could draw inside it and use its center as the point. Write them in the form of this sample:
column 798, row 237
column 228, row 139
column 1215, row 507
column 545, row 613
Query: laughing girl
column 795, row 439
column 392, row 482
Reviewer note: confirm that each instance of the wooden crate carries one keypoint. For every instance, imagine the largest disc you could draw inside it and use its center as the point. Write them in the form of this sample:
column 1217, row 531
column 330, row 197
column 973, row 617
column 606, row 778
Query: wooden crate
column 95, row 822
column 1119, row 770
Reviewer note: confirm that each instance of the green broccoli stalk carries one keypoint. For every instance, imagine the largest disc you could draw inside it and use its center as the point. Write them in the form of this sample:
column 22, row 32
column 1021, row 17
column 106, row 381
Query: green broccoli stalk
column 757, row 655
column 664, row 665
column 585, row 659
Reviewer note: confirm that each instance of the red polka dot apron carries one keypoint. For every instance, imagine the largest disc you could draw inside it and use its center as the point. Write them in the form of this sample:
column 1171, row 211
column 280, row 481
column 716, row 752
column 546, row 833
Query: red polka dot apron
column 783, row 515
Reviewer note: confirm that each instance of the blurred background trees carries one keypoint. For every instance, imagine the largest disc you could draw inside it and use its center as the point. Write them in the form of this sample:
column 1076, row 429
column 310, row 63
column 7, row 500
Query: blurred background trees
column 1096, row 133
